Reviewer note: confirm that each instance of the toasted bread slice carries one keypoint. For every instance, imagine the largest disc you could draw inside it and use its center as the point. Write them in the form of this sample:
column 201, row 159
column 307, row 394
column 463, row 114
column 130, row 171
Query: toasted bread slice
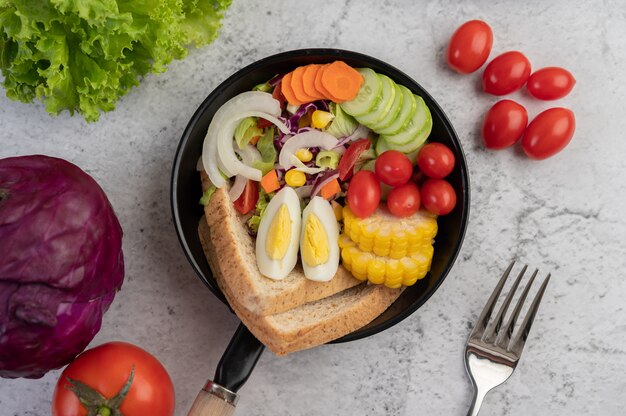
column 235, row 255
column 310, row 324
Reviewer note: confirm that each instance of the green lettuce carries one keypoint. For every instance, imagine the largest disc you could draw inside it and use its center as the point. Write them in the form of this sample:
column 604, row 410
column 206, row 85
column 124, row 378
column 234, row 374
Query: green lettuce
column 246, row 130
column 81, row 56
column 265, row 145
column 343, row 124
column 259, row 210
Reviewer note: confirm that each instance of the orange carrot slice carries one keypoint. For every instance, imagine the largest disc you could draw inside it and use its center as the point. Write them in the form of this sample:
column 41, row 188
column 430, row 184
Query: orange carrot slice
column 341, row 81
column 297, row 85
column 330, row 189
column 308, row 79
column 285, row 88
column 318, row 83
column 269, row 182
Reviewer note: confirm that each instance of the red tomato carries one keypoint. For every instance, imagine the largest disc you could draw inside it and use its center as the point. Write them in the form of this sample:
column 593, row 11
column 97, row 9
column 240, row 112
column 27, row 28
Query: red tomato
column 506, row 73
column 469, row 46
column 248, row 199
column 363, row 193
column 550, row 83
column 404, row 200
column 549, row 133
column 435, row 160
column 438, row 196
column 349, row 158
column 504, row 124
column 278, row 95
column 393, row 168
column 106, row 369
column 263, row 123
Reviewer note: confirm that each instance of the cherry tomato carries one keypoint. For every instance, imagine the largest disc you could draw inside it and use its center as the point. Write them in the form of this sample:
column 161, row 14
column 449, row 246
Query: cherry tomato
column 469, row 46
column 393, row 168
column 277, row 94
column 248, row 199
column 404, row 200
column 106, row 369
column 506, row 73
column 549, row 133
column 504, row 124
column 435, row 160
column 550, row 83
column 349, row 158
column 363, row 193
column 438, row 196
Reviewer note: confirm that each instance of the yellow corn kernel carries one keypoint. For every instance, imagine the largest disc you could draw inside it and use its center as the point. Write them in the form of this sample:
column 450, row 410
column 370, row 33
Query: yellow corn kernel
column 376, row 271
column 295, row 178
column 304, row 155
column 320, row 119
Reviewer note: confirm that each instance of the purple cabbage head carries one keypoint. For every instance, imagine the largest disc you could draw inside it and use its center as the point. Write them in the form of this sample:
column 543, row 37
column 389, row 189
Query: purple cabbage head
column 61, row 263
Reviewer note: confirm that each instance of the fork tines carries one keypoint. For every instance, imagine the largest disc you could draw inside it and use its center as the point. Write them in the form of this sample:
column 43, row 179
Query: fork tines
column 502, row 335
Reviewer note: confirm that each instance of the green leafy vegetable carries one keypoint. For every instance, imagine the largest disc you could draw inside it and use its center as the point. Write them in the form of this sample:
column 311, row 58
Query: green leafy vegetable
column 206, row 196
column 327, row 159
column 246, row 130
column 267, row 150
column 343, row 124
column 265, row 87
column 259, row 210
column 83, row 55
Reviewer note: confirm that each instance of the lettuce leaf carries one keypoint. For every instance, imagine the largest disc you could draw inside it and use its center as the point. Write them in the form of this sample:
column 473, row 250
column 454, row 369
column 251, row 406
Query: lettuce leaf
column 82, row 55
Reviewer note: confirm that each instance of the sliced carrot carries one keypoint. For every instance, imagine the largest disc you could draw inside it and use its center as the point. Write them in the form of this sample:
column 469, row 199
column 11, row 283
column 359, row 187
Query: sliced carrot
column 287, row 91
column 308, row 79
column 269, row 182
column 330, row 189
column 341, row 81
column 297, row 85
column 254, row 140
column 320, row 87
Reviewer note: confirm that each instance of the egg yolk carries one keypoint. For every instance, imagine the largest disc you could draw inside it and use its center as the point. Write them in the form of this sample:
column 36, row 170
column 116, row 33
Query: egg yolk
column 279, row 234
column 315, row 249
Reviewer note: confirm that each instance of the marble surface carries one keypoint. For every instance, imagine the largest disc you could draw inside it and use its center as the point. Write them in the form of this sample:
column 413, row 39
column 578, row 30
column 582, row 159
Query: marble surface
column 563, row 215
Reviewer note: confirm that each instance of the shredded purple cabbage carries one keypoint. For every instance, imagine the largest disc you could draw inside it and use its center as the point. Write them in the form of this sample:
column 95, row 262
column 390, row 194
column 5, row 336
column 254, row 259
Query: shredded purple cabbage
column 277, row 78
column 322, row 179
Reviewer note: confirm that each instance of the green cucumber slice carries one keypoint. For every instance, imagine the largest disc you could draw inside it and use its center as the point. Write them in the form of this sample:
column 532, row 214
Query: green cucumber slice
column 394, row 111
column 416, row 143
column 414, row 125
column 381, row 146
column 409, row 105
column 368, row 94
column 383, row 105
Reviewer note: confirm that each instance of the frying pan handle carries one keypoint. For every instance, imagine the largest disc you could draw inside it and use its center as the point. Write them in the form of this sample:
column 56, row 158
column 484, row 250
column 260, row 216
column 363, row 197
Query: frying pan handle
column 219, row 397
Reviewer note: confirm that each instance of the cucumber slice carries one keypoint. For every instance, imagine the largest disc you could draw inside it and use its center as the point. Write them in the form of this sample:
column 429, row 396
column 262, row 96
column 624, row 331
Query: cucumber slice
column 383, row 106
column 415, row 124
column 394, row 111
column 381, row 146
column 416, row 143
column 368, row 94
column 409, row 105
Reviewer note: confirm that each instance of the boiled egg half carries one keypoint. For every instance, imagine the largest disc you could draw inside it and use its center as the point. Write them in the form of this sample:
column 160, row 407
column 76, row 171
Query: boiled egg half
column 319, row 238
column 278, row 235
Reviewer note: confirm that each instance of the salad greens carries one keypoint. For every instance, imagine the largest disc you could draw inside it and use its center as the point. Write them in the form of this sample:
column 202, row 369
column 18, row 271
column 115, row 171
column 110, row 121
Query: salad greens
column 343, row 124
column 246, row 130
column 206, row 196
column 259, row 210
column 265, row 145
column 81, row 56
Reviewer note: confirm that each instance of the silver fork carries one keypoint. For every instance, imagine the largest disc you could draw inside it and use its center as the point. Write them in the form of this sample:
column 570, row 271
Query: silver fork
column 492, row 353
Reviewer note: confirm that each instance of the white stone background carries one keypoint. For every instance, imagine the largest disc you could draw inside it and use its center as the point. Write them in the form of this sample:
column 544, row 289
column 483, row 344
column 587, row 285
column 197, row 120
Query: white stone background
column 564, row 214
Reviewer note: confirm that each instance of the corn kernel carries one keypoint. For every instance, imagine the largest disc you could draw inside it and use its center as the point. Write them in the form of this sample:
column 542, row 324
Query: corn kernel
column 320, row 119
column 304, row 155
column 295, row 178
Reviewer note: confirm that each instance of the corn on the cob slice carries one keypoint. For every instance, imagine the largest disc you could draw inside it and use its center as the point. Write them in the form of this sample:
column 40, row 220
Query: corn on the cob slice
column 391, row 272
column 386, row 235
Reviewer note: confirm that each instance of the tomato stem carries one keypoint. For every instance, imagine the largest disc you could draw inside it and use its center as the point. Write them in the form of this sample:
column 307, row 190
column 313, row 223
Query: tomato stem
column 95, row 403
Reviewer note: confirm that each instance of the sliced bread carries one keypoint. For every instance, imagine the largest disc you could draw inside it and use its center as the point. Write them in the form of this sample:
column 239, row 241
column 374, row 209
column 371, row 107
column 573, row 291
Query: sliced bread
column 234, row 250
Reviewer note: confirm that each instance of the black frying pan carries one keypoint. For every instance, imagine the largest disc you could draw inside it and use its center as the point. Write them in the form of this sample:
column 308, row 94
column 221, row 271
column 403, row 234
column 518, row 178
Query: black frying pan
column 219, row 396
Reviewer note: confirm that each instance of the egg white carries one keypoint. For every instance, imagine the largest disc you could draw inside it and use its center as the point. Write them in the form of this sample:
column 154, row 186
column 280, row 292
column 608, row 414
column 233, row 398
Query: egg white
column 279, row 269
column 324, row 212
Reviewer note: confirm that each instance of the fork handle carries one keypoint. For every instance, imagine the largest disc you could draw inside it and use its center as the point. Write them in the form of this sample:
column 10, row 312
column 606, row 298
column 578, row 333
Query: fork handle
column 477, row 401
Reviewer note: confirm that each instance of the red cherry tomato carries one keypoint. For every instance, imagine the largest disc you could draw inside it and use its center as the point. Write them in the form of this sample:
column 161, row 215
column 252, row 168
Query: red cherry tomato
column 248, row 199
column 469, row 46
column 550, row 83
column 506, row 73
column 349, row 158
column 549, row 133
column 393, row 168
column 504, row 124
column 438, row 196
column 404, row 200
column 435, row 160
column 106, row 369
column 363, row 193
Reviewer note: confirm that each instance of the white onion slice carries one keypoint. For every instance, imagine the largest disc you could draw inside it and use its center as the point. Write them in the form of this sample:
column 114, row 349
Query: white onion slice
column 313, row 138
column 238, row 186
